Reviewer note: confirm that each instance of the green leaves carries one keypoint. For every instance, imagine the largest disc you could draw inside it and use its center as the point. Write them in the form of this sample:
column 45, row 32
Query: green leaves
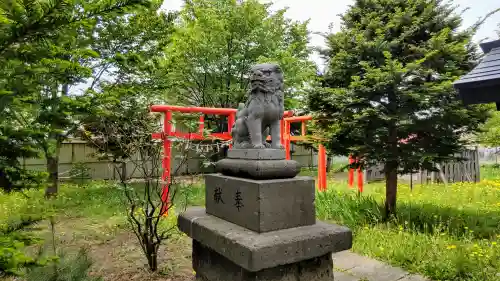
column 13, row 241
column 490, row 135
column 390, row 73
column 26, row 21
column 46, row 47
column 216, row 42
column 119, row 124
column 66, row 267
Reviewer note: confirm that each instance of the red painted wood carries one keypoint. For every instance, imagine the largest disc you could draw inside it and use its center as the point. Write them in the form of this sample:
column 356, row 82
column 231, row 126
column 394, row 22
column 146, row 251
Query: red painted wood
column 350, row 178
column 166, row 162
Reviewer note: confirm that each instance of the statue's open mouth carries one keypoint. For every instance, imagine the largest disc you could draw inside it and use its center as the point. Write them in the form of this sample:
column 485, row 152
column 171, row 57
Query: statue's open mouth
column 259, row 82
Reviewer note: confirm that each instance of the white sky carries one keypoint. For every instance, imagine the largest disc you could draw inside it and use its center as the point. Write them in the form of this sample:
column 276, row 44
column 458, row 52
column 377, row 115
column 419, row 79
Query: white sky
column 322, row 13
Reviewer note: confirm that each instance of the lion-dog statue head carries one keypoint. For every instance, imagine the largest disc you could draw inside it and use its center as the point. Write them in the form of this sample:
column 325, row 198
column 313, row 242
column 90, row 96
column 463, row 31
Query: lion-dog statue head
column 263, row 111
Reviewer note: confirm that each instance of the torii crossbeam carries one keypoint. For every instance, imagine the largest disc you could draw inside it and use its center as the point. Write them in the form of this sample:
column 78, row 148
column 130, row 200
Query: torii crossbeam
column 168, row 133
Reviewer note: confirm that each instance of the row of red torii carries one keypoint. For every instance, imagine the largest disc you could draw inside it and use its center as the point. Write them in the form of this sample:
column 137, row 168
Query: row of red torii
column 286, row 139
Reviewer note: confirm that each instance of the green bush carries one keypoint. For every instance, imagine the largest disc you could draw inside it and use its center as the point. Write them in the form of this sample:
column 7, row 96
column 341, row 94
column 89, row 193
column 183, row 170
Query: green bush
column 348, row 208
column 13, row 241
column 80, row 173
column 65, row 268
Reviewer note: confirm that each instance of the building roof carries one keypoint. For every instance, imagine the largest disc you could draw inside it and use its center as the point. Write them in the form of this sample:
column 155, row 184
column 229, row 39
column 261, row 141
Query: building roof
column 482, row 84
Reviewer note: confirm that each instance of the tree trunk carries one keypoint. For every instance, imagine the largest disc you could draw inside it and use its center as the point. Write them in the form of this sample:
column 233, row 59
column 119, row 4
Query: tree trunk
column 123, row 174
column 150, row 245
column 151, row 254
column 392, row 162
column 391, row 190
column 53, row 170
column 328, row 163
column 153, row 263
column 391, row 173
column 53, row 158
column 5, row 183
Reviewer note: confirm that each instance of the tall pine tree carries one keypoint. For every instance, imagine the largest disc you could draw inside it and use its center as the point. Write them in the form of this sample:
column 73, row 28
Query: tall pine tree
column 389, row 78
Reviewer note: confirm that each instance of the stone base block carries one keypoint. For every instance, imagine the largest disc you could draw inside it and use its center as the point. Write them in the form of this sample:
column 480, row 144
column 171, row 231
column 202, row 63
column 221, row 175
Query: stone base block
column 261, row 205
column 258, row 169
column 255, row 252
column 211, row 266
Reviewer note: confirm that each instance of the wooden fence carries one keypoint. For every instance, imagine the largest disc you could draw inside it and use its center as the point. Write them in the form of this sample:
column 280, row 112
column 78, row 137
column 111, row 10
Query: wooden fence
column 77, row 152
column 464, row 171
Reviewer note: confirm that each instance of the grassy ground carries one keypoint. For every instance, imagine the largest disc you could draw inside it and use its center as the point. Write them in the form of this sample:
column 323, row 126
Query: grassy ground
column 444, row 232
column 93, row 217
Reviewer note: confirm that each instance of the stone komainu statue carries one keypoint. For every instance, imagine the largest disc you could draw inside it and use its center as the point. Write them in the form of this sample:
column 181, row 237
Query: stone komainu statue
column 263, row 111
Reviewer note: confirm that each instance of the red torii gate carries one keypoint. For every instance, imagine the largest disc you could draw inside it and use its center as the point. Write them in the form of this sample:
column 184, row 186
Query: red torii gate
column 322, row 159
column 288, row 138
column 167, row 133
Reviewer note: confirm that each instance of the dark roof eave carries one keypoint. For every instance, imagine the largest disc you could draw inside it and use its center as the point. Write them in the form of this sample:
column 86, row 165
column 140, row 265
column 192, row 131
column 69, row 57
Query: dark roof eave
column 488, row 46
column 482, row 84
column 468, row 84
column 479, row 95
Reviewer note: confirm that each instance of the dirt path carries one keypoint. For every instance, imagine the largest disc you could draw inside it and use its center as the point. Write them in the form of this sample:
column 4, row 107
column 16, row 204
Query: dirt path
column 122, row 259
column 116, row 252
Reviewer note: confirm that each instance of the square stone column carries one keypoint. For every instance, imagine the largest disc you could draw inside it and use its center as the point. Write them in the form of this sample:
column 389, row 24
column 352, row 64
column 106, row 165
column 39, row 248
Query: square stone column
column 260, row 223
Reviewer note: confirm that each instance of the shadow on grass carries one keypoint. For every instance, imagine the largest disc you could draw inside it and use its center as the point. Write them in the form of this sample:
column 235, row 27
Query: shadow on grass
column 357, row 211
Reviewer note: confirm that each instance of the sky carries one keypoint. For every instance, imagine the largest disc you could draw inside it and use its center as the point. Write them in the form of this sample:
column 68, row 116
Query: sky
column 324, row 13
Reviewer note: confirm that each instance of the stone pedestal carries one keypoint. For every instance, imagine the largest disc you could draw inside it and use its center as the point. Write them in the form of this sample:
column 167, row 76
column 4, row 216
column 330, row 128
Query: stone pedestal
column 264, row 205
column 209, row 265
column 259, row 227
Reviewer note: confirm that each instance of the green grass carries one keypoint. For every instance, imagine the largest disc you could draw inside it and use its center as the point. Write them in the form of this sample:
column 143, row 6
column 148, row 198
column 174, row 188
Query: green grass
column 98, row 201
column 444, row 232
column 490, row 172
column 88, row 215
column 435, row 255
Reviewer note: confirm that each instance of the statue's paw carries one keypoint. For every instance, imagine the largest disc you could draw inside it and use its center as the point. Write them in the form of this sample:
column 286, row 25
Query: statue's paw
column 267, row 145
column 259, row 146
column 245, row 145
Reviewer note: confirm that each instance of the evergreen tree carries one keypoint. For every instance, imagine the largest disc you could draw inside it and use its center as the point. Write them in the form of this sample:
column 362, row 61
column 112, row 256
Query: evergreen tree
column 66, row 268
column 387, row 95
